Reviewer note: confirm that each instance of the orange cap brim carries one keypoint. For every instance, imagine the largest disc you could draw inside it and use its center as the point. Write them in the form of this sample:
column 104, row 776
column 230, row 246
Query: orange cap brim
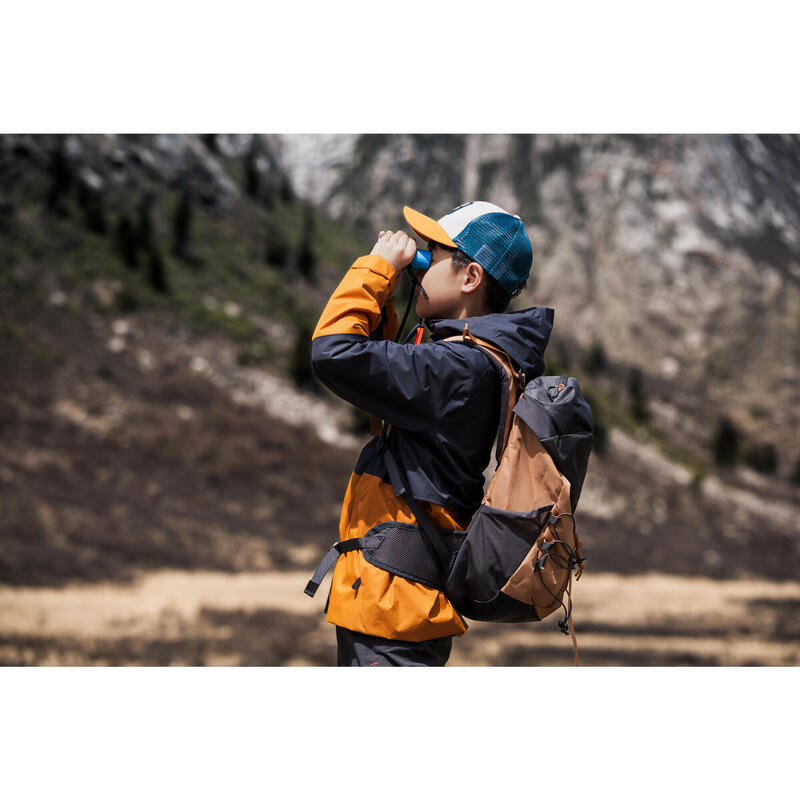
column 427, row 228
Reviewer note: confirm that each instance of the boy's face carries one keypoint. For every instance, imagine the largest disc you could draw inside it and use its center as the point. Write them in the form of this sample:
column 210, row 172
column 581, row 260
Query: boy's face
column 442, row 284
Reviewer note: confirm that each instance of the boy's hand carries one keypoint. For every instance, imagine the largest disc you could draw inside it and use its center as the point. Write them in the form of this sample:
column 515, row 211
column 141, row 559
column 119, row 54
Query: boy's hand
column 397, row 248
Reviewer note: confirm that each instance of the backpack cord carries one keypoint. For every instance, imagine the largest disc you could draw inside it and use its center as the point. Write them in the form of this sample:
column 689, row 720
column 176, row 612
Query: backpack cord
column 572, row 560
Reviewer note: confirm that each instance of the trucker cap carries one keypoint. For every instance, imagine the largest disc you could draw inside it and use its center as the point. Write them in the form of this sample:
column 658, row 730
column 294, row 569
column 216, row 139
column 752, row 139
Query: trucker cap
column 487, row 234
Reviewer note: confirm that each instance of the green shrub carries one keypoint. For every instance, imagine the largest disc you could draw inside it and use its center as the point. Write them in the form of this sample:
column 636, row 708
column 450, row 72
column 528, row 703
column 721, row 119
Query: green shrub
column 599, row 428
column 762, row 458
column 257, row 353
column 126, row 300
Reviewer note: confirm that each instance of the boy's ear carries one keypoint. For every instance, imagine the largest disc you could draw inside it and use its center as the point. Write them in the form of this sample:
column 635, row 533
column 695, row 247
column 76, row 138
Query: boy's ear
column 472, row 277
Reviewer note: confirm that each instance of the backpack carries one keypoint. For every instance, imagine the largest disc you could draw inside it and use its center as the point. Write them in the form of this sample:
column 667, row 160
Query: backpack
column 515, row 560
column 515, row 563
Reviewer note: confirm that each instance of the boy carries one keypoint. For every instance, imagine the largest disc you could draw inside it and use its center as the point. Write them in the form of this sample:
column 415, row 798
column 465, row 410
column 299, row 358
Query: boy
column 442, row 400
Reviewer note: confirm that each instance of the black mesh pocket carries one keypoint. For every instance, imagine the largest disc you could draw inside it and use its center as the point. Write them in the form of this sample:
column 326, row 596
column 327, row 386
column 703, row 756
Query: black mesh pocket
column 401, row 549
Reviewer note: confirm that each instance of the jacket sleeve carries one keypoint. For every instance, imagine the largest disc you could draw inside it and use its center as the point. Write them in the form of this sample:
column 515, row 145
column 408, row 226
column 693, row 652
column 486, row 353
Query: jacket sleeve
column 408, row 386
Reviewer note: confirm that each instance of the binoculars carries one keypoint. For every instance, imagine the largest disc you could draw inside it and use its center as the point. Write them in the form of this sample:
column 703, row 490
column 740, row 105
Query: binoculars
column 421, row 261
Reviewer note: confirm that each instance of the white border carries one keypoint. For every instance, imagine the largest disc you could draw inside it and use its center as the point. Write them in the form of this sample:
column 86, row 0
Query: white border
column 303, row 732
column 358, row 66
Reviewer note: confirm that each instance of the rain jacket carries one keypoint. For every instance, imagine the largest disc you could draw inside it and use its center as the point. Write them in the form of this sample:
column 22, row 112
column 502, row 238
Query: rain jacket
column 442, row 400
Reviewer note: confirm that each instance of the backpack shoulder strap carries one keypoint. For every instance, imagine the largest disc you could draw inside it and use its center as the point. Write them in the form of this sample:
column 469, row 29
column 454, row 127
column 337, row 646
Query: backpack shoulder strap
column 512, row 384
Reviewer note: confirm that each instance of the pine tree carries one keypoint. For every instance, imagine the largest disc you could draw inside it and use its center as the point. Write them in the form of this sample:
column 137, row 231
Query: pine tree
column 60, row 180
column 182, row 225
column 306, row 259
column 636, row 392
column 144, row 229
column 596, row 360
column 125, row 239
column 276, row 253
column 300, row 366
column 91, row 201
column 286, row 191
column 726, row 442
column 157, row 272
column 252, row 178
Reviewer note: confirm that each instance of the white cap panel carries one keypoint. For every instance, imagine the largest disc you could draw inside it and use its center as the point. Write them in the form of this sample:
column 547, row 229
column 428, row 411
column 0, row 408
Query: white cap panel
column 458, row 219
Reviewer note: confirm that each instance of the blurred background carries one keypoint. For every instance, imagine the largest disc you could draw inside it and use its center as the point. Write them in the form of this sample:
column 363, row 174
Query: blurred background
column 171, row 472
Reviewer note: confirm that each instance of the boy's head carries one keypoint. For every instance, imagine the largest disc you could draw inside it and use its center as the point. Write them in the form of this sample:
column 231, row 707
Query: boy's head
column 481, row 258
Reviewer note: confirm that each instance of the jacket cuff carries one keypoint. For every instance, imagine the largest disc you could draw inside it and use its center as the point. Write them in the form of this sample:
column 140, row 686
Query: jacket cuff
column 380, row 266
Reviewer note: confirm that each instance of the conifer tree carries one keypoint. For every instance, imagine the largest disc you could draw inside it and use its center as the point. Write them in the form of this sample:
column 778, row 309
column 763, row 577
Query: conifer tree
column 91, row 201
column 300, row 366
column 125, row 239
column 306, row 259
column 276, row 252
column 286, row 191
column 144, row 229
column 157, row 272
column 252, row 178
column 182, row 225
column 60, row 180
column 726, row 442
column 596, row 361
column 638, row 401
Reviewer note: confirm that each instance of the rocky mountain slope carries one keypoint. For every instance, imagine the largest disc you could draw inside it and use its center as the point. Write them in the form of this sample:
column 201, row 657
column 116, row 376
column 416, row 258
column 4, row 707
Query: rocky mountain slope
column 677, row 255
column 131, row 394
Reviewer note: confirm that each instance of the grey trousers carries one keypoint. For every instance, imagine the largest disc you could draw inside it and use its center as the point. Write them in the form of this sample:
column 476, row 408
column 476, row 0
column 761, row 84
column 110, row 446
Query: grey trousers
column 359, row 650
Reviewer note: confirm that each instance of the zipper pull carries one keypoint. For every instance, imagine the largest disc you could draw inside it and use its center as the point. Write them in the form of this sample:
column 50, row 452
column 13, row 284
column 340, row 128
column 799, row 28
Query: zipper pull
column 356, row 585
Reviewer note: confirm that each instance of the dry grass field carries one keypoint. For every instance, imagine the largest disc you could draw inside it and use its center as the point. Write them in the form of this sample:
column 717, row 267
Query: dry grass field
column 263, row 618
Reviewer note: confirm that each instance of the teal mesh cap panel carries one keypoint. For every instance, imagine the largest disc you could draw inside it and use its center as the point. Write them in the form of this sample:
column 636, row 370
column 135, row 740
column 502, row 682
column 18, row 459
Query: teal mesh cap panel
column 498, row 242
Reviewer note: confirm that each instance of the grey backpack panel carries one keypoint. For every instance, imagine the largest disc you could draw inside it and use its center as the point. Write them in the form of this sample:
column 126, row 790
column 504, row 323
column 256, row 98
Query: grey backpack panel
column 562, row 421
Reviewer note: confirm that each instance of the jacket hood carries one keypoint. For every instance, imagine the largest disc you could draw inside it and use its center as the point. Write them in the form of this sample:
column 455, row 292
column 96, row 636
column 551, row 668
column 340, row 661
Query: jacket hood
column 522, row 334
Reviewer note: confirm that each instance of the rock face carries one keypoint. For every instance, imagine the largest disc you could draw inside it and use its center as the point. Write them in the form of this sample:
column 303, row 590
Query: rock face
column 123, row 162
column 679, row 254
